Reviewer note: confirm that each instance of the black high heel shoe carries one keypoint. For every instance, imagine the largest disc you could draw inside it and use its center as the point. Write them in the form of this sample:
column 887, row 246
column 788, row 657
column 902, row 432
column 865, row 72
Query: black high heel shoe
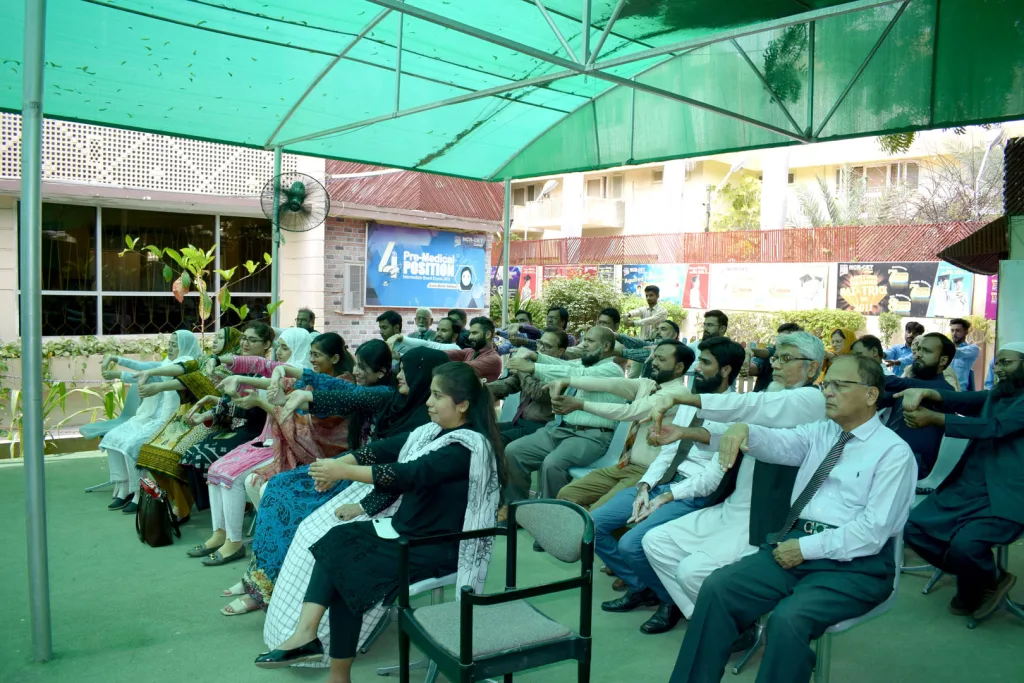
column 313, row 651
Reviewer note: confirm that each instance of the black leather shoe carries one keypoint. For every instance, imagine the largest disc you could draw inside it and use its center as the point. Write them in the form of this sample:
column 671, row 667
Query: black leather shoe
column 746, row 640
column 313, row 651
column 130, row 509
column 631, row 600
column 119, row 503
column 665, row 619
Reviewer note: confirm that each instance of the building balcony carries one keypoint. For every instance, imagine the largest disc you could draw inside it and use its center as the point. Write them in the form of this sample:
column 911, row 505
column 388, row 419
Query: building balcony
column 537, row 215
column 600, row 212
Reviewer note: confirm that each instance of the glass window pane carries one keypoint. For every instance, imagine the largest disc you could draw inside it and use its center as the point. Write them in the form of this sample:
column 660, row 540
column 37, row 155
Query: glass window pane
column 912, row 176
column 150, row 315
column 241, row 240
column 69, row 248
column 70, row 315
column 876, row 177
column 257, row 311
column 141, row 271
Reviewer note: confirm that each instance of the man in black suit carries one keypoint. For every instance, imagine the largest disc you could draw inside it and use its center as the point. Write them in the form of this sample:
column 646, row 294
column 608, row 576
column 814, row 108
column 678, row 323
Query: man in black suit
column 981, row 503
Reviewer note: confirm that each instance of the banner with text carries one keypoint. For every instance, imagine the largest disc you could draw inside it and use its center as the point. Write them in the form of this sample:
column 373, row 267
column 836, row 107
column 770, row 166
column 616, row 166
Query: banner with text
column 924, row 289
column 768, row 286
column 410, row 267
column 565, row 272
column 992, row 298
column 522, row 279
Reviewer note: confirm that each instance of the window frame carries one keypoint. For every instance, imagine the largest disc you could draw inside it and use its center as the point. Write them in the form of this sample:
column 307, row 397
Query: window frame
column 98, row 293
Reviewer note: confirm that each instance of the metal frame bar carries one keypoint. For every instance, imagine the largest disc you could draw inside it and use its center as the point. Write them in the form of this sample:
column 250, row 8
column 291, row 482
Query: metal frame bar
column 326, row 70
column 811, row 32
column 506, row 236
column 585, row 34
column 216, row 275
column 398, row 60
column 693, row 44
column 275, row 272
column 554, row 29
column 30, row 256
column 607, row 31
column 863, row 66
column 767, row 85
column 99, row 271
column 935, row 63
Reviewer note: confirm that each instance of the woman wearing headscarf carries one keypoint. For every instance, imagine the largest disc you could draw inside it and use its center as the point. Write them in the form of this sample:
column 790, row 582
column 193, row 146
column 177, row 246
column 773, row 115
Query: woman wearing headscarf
column 123, row 443
column 290, row 497
column 447, row 475
column 842, row 344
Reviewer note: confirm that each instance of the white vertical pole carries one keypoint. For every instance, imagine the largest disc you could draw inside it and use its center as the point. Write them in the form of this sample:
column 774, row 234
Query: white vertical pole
column 506, row 237
column 275, row 270
column 30, row 254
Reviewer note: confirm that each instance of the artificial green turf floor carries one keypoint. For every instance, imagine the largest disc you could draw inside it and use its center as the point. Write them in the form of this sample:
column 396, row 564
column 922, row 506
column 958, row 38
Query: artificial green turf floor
column 126, row 613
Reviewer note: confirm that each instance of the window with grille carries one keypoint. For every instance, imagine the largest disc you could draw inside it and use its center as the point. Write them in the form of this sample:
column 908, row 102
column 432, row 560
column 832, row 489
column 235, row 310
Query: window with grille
column 89, row 289
column 884, row 176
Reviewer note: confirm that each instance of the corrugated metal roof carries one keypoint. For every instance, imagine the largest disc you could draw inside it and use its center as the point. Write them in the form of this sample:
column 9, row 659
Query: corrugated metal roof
column 981, row 252
column 416, row 191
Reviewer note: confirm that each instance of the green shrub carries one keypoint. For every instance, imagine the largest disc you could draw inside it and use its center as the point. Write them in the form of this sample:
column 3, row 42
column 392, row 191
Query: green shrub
column 583, row 297
column 983, row 330
column 889, row 324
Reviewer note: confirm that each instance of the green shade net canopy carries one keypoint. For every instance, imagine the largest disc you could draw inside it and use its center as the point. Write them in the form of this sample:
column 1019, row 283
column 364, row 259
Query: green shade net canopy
column 493, row 89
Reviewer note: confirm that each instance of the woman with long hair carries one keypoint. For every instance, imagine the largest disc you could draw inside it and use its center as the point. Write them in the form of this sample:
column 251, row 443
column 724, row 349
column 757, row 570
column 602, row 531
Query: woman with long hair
column 448, row 475
column 123, row 443
column 290, row 497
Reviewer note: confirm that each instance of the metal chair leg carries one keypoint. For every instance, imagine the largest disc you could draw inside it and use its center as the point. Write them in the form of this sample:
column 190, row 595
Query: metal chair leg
column 758, row 644
column 97, row 487
column 824, row 657
column 938, row 574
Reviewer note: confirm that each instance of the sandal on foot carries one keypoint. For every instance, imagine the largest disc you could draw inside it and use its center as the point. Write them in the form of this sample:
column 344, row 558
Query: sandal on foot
column 237, row 589
column 216, row 559
column 237, row 607
column 202, row 550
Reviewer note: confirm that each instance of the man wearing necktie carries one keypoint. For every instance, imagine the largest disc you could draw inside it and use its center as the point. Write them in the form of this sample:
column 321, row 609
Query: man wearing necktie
column 832, row 559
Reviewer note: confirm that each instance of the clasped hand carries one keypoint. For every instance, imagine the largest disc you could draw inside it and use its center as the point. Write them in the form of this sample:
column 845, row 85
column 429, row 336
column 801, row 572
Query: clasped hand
column 326, row 472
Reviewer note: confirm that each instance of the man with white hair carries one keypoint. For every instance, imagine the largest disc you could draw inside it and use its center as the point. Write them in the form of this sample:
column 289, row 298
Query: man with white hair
column 981, row 503
column 752, row 499
column 424, row 319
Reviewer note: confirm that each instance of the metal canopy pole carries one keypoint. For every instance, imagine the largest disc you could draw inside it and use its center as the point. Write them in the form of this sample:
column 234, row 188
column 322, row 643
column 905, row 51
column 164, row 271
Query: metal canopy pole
column 275, row 270
column 506, row 237
column 398, row 61
column 767, row 85
column 554, row 29
column 585, row 35
column 30, row 258
column 607, row 31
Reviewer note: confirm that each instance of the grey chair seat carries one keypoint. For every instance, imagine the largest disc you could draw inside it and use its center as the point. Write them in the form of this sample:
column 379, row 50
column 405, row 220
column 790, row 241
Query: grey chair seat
column 496, row 628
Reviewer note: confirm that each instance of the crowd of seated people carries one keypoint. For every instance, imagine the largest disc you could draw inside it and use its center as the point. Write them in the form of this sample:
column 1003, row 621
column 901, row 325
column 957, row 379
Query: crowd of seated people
column 721, row 507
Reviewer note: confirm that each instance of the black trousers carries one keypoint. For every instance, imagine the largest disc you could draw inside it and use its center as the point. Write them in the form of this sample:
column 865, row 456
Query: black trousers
column 965, row 553
column 510, row 431
column 345, row 624
column 803, row 601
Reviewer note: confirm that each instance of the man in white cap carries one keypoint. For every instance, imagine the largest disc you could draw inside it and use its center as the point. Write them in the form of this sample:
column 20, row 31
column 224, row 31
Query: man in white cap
column 981, row 504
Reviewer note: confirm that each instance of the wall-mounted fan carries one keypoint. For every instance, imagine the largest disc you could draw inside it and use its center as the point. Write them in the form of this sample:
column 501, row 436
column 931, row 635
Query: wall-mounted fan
column 303, row 201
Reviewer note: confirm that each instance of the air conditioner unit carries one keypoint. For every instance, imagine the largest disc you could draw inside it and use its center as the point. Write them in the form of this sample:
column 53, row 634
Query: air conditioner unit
column 355, row 288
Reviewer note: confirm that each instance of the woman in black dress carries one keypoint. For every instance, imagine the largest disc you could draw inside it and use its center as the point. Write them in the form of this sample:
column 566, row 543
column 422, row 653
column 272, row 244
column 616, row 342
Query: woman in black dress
column 449, row 474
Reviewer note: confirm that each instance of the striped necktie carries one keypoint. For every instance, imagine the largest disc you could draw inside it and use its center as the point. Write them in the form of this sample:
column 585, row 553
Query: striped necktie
column 817, row 479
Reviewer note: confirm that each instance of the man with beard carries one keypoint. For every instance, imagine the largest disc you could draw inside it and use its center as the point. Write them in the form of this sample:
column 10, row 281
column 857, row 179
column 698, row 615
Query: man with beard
column 966, row 354
column 576, row 440
column 981, row 503
column 753, row 498
column 641, row 353
column 931, row 357
column 447, row 331
column 480, row 355
column 674, row 483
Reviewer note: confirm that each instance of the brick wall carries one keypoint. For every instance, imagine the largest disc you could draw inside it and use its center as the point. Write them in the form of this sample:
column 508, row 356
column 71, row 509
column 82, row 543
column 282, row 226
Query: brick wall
column 345, row 242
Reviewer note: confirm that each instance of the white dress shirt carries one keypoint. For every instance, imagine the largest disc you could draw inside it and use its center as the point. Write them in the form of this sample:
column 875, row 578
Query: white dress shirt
column 787, row 408
column 867, row 494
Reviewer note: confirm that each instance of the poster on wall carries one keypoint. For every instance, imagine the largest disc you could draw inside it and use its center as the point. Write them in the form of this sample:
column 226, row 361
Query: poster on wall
column 912, row 289
column 409, row 267
column 606, row 272
column 768, row 286
column 695, row 288
column 669, row 278
column 552, row 272
column 522, row 279
column 992, row 298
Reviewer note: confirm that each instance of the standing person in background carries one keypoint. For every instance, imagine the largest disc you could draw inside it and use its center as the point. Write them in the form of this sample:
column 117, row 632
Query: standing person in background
column 306, row 319
column 966, row 354
column 424, row 319
column 901, row 356
column 648, row 318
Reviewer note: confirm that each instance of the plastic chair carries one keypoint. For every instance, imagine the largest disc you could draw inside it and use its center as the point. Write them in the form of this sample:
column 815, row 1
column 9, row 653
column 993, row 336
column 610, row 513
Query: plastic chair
column 99, row 429
column 610, row 457
column 500, row 633
column 950, row 452
column 436, row 589
column 509, row 407
column 823, row 646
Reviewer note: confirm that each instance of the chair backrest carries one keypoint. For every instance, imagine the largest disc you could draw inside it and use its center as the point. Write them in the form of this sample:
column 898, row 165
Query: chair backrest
column 950, row 452
column 611, row 456
column 560, row 527
column 131, row 406
column 509, row 407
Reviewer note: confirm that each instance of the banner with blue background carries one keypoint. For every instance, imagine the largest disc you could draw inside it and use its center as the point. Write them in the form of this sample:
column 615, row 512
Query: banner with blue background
column 411, row 267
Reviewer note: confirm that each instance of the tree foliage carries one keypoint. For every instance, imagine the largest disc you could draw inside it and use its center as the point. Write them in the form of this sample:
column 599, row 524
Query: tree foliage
column 889, row 324
column 583, row 297
column 738, row 206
